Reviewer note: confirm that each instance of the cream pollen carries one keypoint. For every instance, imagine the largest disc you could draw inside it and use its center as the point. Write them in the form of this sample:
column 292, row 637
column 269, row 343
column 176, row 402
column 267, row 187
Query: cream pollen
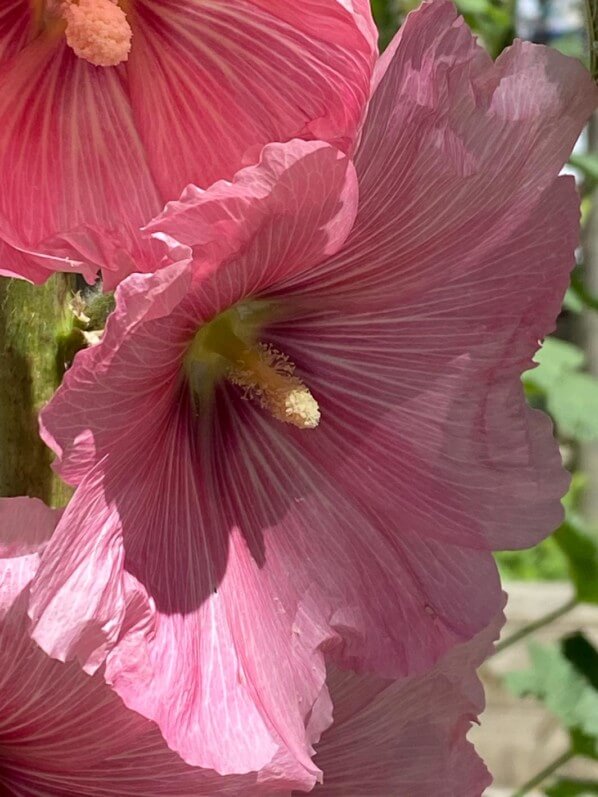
column 97, row 30
column 267, row 375
column 263, row 373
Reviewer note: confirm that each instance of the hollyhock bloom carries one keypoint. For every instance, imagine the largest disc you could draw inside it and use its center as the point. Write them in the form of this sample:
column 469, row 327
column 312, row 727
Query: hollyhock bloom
column 110, row 108
column 306, row 435
column 64, row 733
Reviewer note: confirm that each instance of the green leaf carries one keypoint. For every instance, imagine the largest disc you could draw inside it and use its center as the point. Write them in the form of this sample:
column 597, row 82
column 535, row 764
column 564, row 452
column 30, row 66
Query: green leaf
column 387, row 17
column 571, row 396
column 474, row 6
column 555, row 681
column 565, row 679
column 572, row 788
column 573, row 403
column 492, row 20
column 580, row 547
column 555, row 358
column 579, row 294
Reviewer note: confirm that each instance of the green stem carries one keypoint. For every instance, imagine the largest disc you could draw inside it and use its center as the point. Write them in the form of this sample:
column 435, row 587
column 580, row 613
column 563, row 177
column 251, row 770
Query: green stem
column 31, row 320
column 544, row 773
column 531, row 628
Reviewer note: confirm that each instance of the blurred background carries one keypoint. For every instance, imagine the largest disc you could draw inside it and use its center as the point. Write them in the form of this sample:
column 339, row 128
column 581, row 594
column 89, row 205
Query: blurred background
column 539, row 734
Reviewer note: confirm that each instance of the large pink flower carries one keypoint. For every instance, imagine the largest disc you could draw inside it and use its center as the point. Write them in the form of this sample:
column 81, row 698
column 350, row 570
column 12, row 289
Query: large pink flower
column 251, row 548
column 89, row 153
column 65, row 733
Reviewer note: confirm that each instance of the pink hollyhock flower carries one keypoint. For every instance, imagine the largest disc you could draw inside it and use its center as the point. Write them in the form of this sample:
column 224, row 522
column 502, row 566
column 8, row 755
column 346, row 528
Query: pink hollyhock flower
column 363, row 528
column 110, row 108
column 64, row 733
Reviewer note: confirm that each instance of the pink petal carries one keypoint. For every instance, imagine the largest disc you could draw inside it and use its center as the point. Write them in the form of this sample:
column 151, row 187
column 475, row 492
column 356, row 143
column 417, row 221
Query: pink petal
column 65, row 733
column 79, row 133
column 408, row 736
column 68, row 422
column 69, row 128
column 99, row 607
column 229, row 76
column 455, row 150
column 295, row 206
column 34, row 265
column 216, row 552
column 212, row 538
column 421, row 326
column 182, row 663
column 26, row 524
column 427, row 391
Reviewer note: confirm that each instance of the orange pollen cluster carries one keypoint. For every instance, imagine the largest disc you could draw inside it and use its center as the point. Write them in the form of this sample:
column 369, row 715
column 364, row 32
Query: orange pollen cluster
column 97, row 30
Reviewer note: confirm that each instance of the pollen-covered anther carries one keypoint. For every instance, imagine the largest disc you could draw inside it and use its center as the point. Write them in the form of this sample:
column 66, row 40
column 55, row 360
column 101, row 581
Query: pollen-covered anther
column 267, row 376
column 301, row 409
column 97, row 31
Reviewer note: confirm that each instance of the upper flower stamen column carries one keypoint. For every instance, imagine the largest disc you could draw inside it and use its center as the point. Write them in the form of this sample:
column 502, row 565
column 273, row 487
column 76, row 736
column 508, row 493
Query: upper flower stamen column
column 97, row 30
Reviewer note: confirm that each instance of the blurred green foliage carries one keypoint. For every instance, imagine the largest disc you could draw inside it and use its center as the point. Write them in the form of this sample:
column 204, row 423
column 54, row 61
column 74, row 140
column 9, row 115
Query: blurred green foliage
column 491, row 20
column 558, row 678
column 565, row 679
column 387, row 19
column 544, row 562
column 494, row 22
column 561, row 387
column 578, row 544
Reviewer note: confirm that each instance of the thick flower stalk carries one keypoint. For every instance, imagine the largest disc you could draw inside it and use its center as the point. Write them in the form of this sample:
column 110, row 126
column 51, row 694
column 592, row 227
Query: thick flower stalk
column 64, row 733
column 299, row 444
column 110, row 108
